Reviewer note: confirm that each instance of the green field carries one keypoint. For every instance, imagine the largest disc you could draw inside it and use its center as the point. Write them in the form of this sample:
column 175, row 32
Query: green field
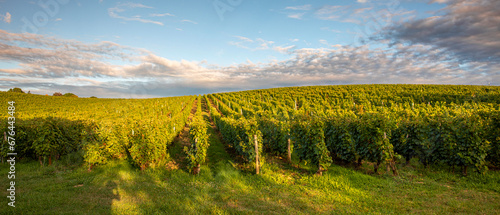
column 119, row 156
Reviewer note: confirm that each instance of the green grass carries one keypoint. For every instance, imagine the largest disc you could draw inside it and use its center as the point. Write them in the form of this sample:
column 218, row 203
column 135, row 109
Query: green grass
column 224, row 187
column 118, row 188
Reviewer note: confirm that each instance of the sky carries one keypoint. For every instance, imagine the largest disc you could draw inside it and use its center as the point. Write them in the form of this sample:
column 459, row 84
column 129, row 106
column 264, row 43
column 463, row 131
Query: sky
column 145, row 49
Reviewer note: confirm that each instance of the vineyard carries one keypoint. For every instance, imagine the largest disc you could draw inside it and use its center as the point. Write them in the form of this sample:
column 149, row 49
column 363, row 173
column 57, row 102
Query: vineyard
column 99, row 129
column 457, row 126
column 438, row 125
column 311, row 129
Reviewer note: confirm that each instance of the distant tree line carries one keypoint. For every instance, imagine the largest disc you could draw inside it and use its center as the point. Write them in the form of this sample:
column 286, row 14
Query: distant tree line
column 19, row 90
column 66, row 94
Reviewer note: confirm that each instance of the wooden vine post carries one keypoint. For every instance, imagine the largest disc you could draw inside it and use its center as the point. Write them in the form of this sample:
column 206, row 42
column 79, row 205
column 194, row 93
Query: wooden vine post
column 196, row 169
column 256, row 154
column 390, row 162
column 289, row 151
column 320, row 170
column 5, row 140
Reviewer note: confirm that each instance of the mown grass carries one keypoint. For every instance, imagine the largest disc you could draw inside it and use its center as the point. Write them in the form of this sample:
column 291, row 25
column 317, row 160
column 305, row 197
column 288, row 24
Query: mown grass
column 118, row 188
column 224, row 187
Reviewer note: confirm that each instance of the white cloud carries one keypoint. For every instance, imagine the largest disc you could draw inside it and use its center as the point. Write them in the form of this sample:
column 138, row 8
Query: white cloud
column 302, row 7
column 135, row 5
column 331, row 30
column 296, row 15
column 58, row 19
column 263, row 44
column 187, row 20
column 244, row 38
column 362, row 1
column 330, row 9
column 122, row 7
column 253, row 45
column 7, row 17
column 284, row 50
column 161, row 14
column 362, row 10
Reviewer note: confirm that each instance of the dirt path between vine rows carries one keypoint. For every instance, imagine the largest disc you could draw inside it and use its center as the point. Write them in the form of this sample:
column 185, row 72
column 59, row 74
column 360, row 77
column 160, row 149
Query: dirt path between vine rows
column 216, row 154
column 176, row 150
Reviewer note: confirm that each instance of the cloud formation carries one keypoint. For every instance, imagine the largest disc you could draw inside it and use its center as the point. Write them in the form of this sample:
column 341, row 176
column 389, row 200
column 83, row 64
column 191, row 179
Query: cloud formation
column 292, row 11
column 301, row 7
column 469, row 29
column 189, row 21
column 253, row 45
column 161, row 14
column 296, row 15
column 284, row 49
column 86, row 69
column 368, row 17
column 114, row 12
column 260, row 44
column 459, row 45
column 380, row 14
column 43, row 56
column 6, row 18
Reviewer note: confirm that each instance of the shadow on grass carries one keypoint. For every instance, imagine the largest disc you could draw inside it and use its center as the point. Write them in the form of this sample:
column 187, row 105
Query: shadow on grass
column 119, row 188
column 227, row 191
column 57, row 190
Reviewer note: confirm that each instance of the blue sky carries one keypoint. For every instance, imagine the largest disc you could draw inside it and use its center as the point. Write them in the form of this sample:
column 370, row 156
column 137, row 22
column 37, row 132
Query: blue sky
column 164, row 48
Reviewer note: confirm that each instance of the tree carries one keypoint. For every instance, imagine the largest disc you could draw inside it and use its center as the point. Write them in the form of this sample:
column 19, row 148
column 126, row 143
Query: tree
column 70, row 95
column 57, row 94
column 16, row 90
